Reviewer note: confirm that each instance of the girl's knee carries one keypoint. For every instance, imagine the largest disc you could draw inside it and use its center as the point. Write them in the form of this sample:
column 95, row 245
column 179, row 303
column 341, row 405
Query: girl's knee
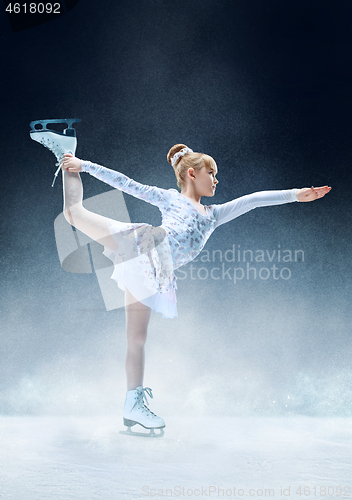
column 137, row 339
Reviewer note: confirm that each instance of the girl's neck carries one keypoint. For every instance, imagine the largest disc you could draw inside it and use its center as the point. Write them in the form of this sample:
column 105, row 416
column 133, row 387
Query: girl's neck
column 191, row 195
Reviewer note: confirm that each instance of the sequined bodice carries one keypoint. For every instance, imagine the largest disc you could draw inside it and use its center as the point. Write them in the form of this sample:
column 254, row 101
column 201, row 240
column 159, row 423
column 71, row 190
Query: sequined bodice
column 187, row 229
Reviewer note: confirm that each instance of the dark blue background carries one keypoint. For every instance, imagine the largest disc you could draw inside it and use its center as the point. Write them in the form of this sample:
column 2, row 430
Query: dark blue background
column 264, row 87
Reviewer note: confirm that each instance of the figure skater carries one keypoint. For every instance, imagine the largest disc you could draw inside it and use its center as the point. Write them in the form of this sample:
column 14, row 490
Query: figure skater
column 145, row 257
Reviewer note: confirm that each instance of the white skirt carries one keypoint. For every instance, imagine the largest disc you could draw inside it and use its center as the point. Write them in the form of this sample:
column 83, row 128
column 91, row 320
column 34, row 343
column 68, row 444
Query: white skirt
column 143, row 265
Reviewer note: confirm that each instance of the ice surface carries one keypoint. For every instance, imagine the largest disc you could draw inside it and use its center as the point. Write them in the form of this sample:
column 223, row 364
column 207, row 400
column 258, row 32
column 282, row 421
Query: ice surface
column 64, row 458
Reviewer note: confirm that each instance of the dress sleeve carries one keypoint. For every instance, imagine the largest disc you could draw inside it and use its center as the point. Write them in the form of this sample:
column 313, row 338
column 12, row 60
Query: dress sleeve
column 235, row 208
column 151, row 194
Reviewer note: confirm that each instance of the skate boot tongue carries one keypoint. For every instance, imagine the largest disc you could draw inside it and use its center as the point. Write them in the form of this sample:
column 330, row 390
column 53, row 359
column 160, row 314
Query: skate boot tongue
column 142, row 392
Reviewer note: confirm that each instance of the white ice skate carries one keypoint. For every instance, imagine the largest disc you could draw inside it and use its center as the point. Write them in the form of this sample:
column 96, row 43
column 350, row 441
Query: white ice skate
column 136, row 412
column 59, row 143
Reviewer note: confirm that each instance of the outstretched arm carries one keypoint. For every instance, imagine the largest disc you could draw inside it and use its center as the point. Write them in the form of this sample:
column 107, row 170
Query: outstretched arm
column 311, row 194
column 232, row 209
column 151, row 194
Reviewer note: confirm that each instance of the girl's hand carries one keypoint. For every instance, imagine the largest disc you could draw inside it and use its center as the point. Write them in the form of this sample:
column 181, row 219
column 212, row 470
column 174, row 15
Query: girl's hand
column 71, row 163
column 311, row 194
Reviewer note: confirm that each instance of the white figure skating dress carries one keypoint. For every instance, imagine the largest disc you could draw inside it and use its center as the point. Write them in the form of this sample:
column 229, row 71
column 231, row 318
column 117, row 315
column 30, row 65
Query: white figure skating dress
column 148, row 271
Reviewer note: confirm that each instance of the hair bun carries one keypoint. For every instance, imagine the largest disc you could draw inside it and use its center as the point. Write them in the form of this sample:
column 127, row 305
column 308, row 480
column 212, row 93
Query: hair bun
column 182, row 161
column 175, row 149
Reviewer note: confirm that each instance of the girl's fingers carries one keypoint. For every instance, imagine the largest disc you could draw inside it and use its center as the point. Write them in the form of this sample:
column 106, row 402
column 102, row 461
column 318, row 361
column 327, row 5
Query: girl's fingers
column 313, row 193
column 322, row 191
column 65, row 162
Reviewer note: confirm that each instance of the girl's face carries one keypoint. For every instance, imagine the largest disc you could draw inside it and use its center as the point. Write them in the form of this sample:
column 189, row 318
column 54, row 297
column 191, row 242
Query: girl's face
column 206, row 181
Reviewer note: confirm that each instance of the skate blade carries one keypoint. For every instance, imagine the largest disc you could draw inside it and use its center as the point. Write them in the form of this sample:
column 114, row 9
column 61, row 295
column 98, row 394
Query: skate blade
column 152, row 433
column 70, row 131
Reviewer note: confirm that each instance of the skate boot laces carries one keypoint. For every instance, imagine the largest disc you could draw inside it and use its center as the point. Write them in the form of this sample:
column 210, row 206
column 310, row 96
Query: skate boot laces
column 58, row 151
column 140, row 397
column 54, row 147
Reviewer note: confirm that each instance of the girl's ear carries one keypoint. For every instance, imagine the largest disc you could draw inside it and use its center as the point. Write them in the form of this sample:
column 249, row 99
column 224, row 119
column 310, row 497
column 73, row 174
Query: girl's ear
column 190, row 173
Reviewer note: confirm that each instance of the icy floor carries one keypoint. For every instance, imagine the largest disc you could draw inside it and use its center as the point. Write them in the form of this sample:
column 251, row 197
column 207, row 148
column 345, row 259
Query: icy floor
column 86, row 458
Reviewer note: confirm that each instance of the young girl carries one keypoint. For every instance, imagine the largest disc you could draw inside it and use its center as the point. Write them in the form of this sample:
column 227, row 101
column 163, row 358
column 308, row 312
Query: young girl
column 145, row 257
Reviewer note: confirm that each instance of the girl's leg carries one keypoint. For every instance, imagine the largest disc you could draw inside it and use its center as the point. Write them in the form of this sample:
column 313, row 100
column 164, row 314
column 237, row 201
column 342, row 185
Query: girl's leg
column 137, row 314
column 98, row 228
column 137, row 320
column 135, row 411
column 93, row 225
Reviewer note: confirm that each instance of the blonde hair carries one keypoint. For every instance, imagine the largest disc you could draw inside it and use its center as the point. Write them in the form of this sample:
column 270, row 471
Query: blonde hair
column 189, row 160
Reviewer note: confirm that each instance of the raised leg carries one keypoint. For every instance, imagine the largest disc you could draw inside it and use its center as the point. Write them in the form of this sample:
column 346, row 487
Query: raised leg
column 93, row 225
